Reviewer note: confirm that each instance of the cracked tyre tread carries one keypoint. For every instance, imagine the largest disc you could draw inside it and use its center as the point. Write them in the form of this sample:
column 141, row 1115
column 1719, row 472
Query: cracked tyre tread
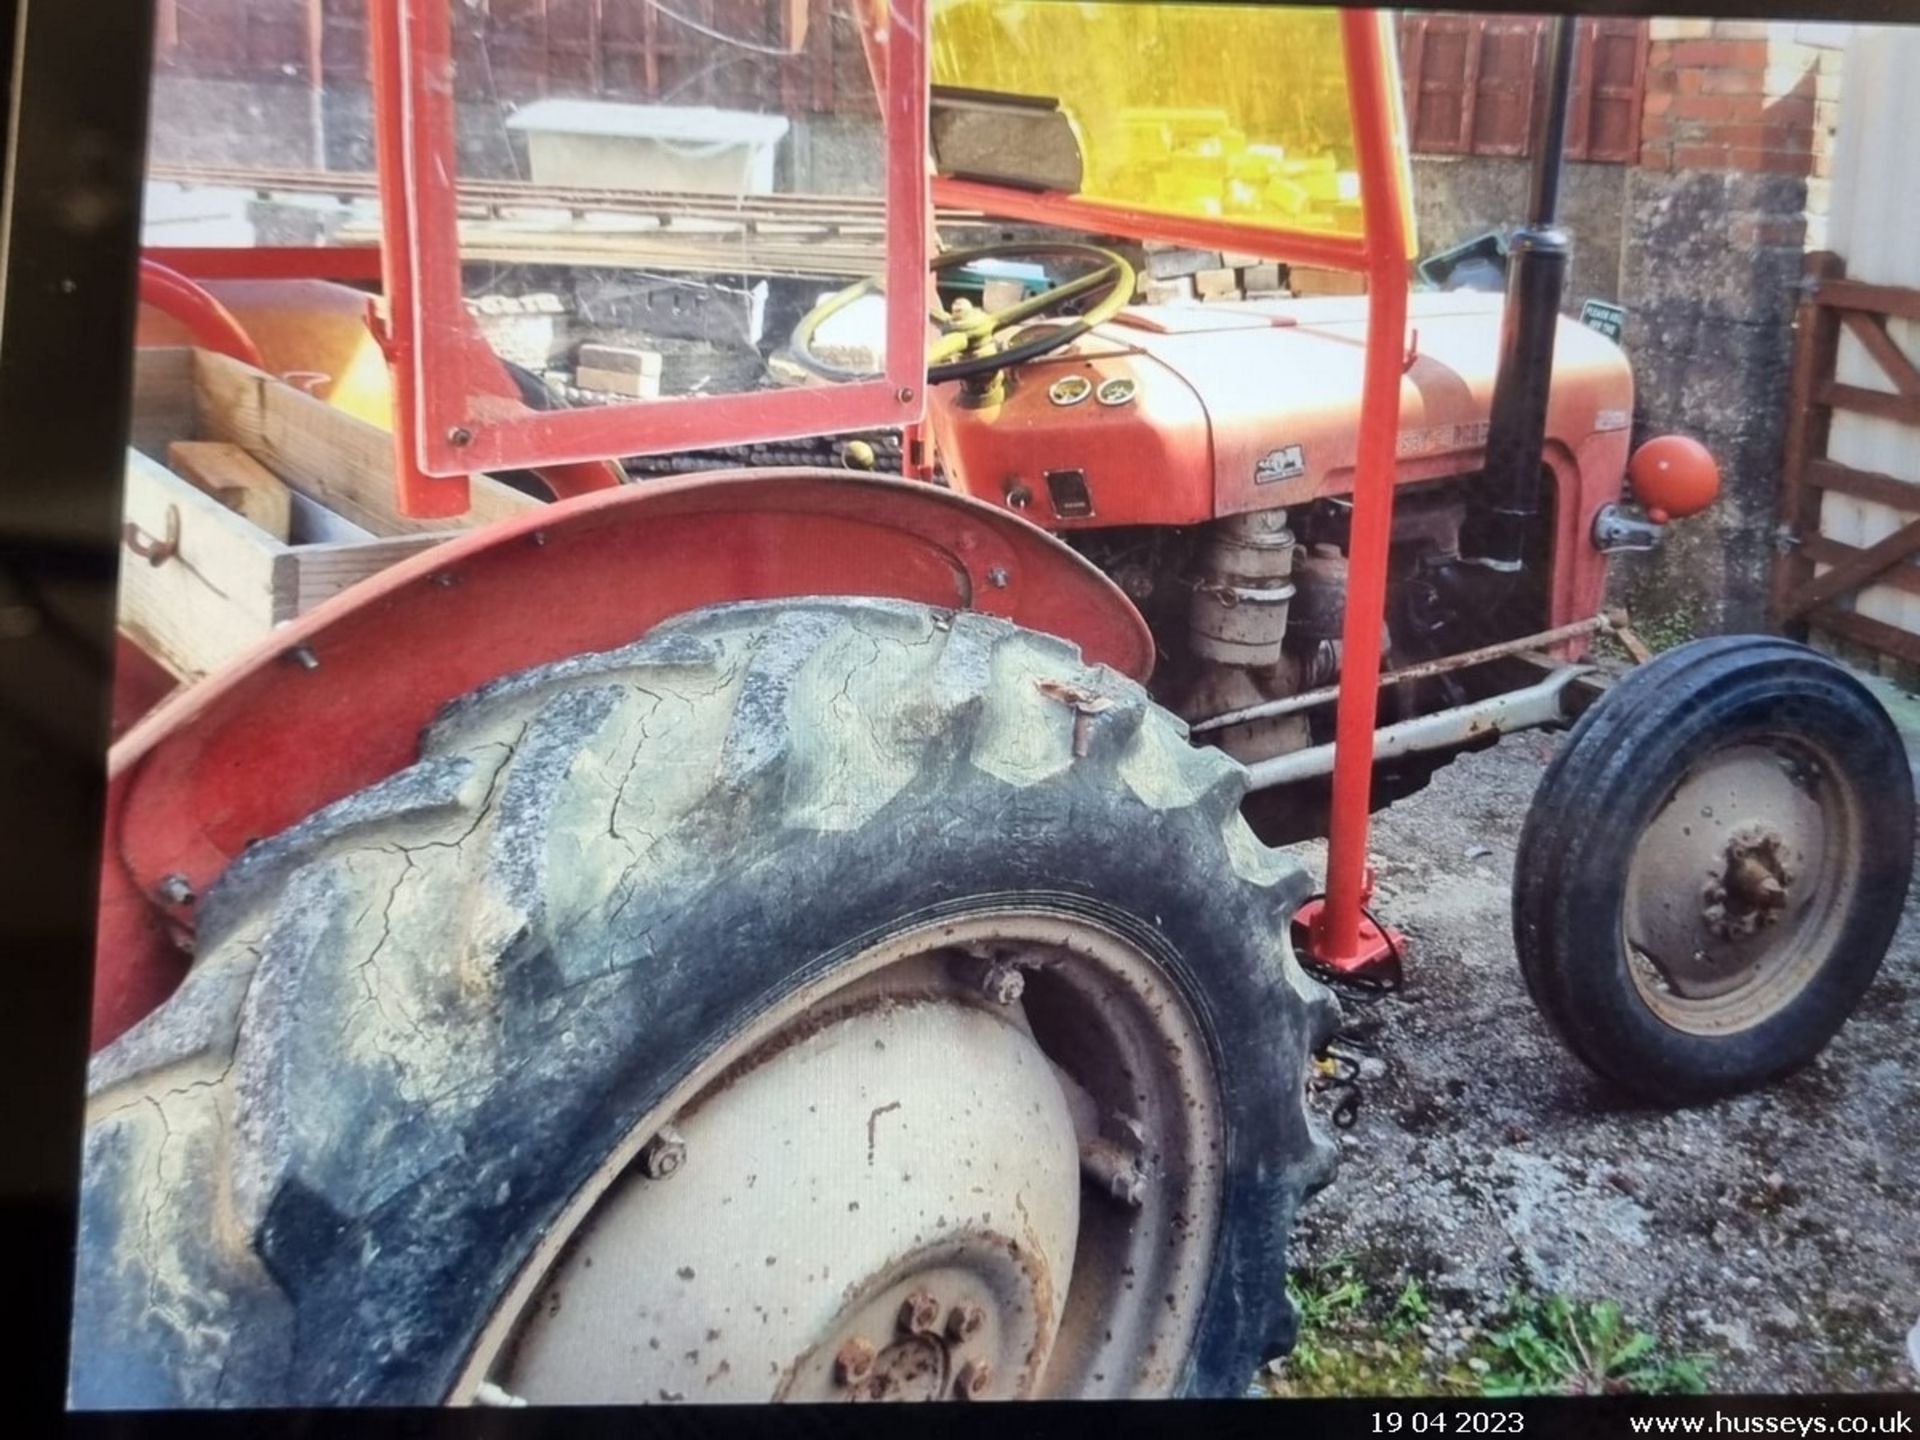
column 421, row 1018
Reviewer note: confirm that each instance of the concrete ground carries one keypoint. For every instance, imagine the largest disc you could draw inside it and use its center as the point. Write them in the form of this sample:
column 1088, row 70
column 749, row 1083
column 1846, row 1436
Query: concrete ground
column 1778, row 1232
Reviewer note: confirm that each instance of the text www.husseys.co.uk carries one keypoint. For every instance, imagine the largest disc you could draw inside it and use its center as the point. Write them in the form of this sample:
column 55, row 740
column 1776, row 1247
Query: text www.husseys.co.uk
column 1719, row 1423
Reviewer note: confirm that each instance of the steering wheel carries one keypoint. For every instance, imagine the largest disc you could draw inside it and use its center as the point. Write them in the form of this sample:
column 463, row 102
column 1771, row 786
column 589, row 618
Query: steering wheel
column 966, row 345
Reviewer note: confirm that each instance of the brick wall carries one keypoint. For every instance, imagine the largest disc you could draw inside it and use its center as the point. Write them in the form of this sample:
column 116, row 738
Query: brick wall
column 1726, row 103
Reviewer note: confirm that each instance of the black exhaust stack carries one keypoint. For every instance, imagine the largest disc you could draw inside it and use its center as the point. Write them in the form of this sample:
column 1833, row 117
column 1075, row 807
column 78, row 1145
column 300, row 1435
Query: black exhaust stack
column 1505, row 505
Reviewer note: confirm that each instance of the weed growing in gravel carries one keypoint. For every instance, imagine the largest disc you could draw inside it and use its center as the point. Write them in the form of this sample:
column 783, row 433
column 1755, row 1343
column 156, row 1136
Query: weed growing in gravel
column 1356, row 1340
column 1660, row 632
column 1351, row 1342
column 1326, row 1299
column 1557, row 1347
column 1410, row 1309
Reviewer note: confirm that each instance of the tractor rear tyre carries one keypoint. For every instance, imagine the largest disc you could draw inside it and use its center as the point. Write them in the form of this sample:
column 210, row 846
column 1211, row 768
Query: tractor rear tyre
column 1713, row 868
column 815, row 999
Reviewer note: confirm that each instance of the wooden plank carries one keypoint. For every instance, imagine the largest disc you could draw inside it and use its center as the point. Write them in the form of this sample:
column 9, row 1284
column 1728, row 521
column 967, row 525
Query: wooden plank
column 1815, row 349
column 1857, row 570
column 326, row 454
column 237, row 481
column 162, row 398
column 310, row 574
column 212, row 598
column 1871, row 331
column 1874, row 634
column 1824, row 551
column 1864, row 485
column 1901, row 409
column 1879, row 299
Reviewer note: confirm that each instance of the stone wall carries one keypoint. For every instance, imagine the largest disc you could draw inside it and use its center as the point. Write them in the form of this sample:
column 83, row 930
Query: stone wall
column 1729, row 193
column 1702, row 241
column 1458, row 198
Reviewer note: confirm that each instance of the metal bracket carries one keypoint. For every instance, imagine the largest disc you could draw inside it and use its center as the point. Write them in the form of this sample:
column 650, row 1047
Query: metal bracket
column 154, row 552
column 1625, row 529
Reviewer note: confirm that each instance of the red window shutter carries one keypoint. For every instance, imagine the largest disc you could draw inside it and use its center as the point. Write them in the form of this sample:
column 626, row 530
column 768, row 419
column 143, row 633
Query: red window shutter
column 1411, row 39
column 1508, row 72
column 1443, row 64
column 276, row 42
column 212, row 38
column 1472, row 83
column 343, row 43
column 822, row 38
column 516, row 33
column 573, row 47
column 1609, row 91
column 626, row 49
column 469, row 49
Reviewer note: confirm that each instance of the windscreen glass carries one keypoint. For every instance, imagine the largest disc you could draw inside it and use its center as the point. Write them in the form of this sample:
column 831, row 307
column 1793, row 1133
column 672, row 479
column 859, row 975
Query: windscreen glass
column 1233, row 112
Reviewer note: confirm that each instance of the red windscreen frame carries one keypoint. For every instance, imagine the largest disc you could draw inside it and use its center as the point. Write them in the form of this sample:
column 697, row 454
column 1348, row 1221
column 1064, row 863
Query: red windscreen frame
column 433, row 361
column 452, row 436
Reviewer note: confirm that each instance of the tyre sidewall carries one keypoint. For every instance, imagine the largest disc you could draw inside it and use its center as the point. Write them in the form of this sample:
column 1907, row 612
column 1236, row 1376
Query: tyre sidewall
column 1588, row 989
column 1076, row 844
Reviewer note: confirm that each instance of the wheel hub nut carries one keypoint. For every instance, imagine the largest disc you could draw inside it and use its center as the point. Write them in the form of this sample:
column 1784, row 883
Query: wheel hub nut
column 972, row 1381
column 665, row 1153
column 1115, row 1170
column 920, row 1314
column 964, row 1322
column 1751, row 891
column 854, row 1362
column 992, row 974
column 1003, row 983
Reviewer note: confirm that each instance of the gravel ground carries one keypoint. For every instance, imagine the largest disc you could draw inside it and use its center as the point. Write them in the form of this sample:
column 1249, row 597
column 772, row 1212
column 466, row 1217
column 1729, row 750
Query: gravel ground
column 1778, row 1231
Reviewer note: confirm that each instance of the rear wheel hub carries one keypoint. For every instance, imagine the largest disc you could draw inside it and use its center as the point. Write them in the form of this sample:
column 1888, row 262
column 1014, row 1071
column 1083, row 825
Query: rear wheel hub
column 842, row 1193
column 1733, row 887
column 882, row 1195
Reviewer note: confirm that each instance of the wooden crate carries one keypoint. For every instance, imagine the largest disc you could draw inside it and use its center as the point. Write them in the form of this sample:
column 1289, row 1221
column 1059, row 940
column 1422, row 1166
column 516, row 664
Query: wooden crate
column 222, row 583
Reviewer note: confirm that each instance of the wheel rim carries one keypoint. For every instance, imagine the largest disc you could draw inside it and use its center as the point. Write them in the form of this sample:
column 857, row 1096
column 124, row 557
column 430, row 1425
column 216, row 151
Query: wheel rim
column 1740, row 884
column 981, row 1160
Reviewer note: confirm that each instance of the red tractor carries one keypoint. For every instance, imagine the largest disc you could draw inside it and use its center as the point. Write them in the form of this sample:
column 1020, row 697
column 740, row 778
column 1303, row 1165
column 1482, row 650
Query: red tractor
column 785, row 933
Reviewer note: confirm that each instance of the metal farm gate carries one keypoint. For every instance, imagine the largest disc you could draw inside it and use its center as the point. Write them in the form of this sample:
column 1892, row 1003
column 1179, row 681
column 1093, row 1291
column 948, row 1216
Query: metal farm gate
column 1850, row 504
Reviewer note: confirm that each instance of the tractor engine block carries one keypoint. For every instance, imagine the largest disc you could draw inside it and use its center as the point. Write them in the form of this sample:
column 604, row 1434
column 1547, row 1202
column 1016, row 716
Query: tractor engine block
column 1252, row 608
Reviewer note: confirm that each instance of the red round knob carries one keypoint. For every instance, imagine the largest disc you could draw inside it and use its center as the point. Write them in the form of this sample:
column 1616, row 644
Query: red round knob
column 1674, row 474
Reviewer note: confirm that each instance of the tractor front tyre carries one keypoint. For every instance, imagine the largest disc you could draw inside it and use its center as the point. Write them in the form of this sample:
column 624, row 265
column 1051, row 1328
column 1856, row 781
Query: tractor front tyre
column 816, row 999
column 1713, row 868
